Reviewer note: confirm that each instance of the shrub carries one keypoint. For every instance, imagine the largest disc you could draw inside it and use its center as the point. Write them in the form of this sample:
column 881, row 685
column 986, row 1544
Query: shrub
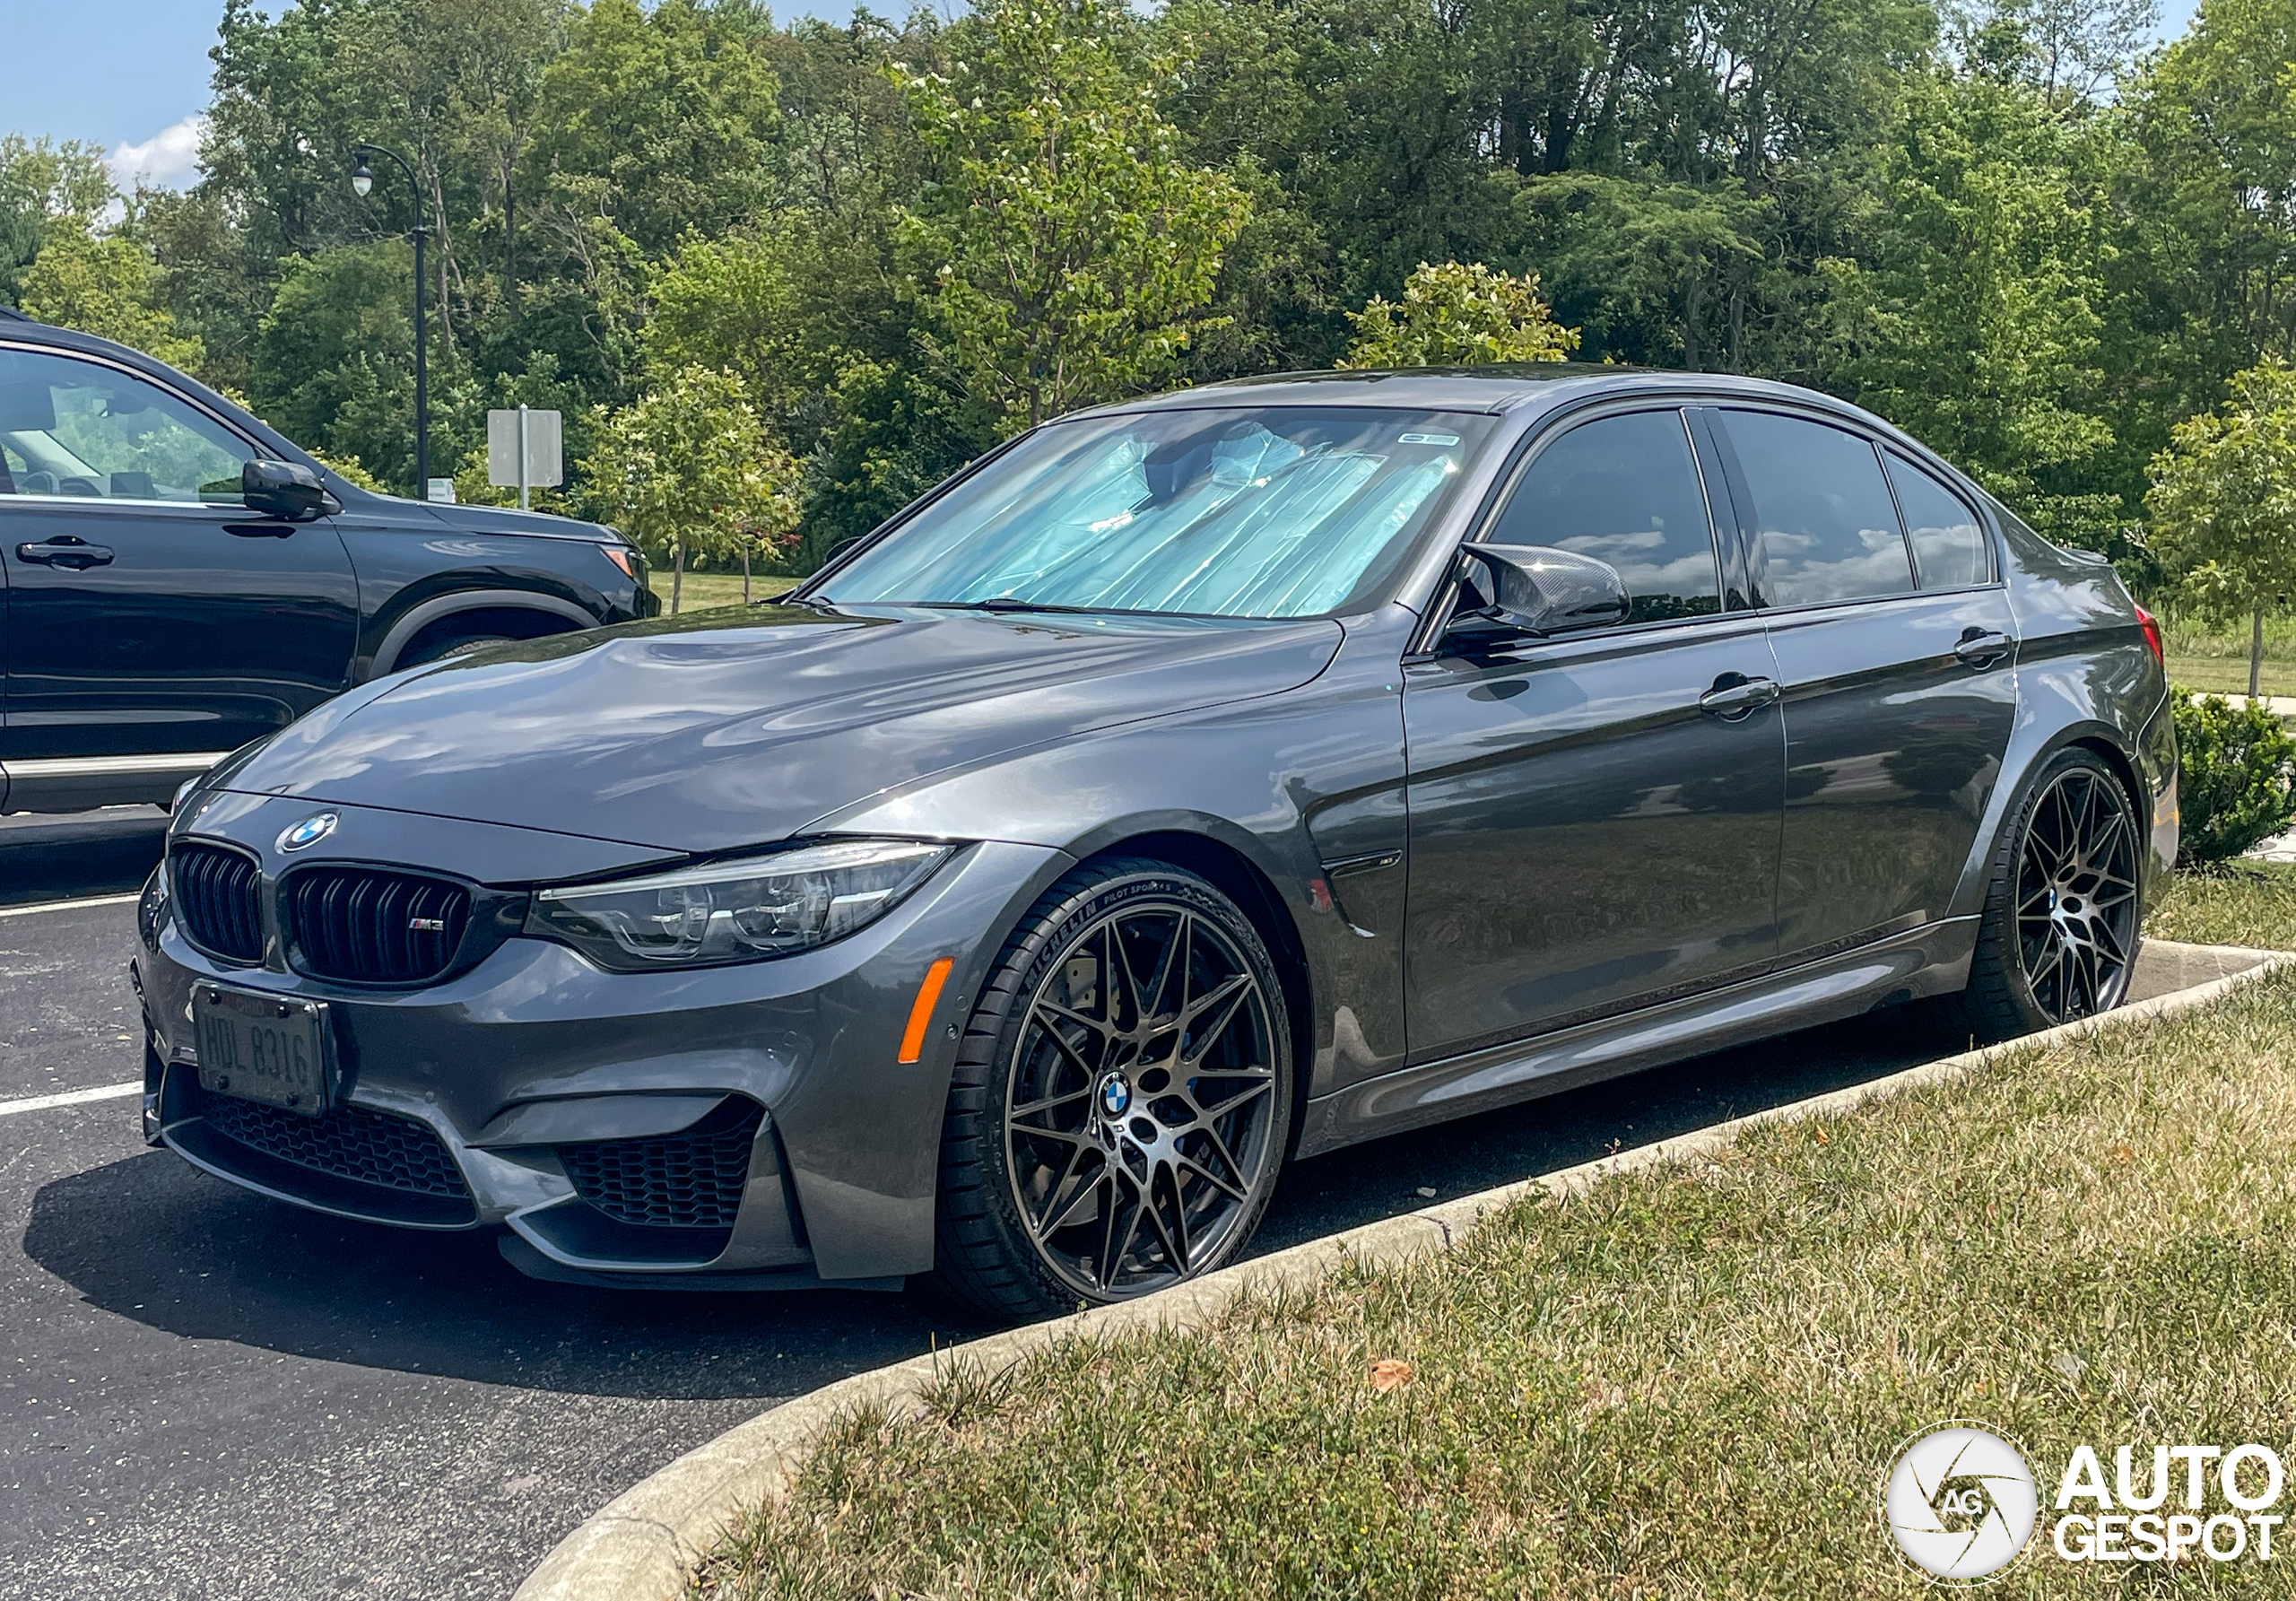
column 2239, row 779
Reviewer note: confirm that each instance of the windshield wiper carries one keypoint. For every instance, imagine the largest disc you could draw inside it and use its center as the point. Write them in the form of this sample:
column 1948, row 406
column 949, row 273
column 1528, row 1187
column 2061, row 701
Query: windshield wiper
column 1006, row 603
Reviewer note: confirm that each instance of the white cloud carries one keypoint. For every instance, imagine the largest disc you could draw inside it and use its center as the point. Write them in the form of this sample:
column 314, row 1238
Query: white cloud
column 168, row 160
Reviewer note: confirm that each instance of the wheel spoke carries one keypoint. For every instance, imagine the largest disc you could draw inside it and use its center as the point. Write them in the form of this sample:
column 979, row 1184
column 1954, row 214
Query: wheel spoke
column 1173, row 960
column 1035, row 1106
column 1190, row 1165
column 1115, row 1242
column 1060, row 1041
column 1060, row 1213
column 1227, row 998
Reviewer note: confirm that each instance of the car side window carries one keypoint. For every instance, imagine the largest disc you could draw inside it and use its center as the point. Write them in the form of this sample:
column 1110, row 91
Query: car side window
column 1948, row 543
column 1827, row 525
column 1624, row 490
column 80, row 430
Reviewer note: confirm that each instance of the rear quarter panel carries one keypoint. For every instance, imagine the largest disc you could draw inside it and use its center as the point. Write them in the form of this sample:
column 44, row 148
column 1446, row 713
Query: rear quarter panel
column 2084, row 672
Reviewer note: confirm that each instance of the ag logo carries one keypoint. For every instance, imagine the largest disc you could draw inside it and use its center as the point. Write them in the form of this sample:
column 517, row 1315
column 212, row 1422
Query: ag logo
column 309, row 831
column 1961, row 1503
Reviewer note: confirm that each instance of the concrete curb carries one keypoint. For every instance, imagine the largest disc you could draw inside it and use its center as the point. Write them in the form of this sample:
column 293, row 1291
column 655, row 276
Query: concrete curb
column 644, row 1545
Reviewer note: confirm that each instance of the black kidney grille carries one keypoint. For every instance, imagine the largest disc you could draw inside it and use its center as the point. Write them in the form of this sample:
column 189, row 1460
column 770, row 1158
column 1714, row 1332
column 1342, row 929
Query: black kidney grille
column 351, row 1142
column 214, row 892
column 373, row 928
column 690, row 1179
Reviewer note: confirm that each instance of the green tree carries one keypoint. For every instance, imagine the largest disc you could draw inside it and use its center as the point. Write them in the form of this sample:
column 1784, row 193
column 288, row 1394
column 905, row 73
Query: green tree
column 1978, row 312
column 663, row 120
column 690, row 471
column 1069, row 245
column 2223, row 502
column 103, row 285
column 333, row 366
column 1459, row 315
column 42, row 185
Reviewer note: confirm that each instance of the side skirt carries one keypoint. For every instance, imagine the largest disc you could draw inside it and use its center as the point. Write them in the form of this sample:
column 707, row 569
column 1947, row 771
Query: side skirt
column 1925, row 961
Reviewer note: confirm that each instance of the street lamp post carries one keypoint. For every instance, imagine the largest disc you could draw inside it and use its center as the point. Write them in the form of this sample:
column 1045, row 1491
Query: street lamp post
column 363, row 180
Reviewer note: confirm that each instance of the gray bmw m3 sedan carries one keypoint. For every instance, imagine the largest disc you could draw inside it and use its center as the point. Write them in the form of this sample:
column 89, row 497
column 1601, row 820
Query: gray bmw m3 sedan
column 1187, row 785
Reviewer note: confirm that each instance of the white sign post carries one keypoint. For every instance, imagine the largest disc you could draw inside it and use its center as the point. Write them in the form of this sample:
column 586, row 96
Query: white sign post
column 524, row 451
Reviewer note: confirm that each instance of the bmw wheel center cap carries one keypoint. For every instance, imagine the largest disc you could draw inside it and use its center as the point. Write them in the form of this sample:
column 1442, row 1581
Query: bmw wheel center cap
column 308, row 833
column 1116, row 1095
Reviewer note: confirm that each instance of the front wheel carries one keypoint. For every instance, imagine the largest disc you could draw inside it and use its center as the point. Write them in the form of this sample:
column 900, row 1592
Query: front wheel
column 1121, row 1101
column 2060, row 932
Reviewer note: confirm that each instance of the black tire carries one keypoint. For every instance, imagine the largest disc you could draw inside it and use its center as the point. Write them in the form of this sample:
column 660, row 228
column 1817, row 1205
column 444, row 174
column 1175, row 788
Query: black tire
column 1047, row 1027
column 447, row 648
column 2100, row 933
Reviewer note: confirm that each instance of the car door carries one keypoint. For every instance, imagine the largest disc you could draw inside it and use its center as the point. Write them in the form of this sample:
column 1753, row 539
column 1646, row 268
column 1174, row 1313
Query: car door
column 1901, row 688
column 152, row 620
column 1594, row 818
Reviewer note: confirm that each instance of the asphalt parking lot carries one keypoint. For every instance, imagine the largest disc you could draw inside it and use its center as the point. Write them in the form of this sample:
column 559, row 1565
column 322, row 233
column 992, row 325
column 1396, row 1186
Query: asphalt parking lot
column 215, row 1395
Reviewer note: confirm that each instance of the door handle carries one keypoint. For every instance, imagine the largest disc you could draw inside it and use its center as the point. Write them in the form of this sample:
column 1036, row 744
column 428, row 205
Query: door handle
column 1738, row 696
column 66, row 551
column 1983, row 647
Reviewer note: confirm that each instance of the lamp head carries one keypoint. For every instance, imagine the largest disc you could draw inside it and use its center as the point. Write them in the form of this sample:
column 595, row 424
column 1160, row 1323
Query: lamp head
column 362, row 176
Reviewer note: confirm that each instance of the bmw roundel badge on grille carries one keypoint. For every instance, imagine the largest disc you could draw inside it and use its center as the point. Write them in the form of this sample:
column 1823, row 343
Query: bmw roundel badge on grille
column 309, row 831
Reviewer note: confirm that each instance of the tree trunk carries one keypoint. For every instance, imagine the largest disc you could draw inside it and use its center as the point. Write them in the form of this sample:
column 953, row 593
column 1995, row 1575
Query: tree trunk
column 677, row 575
column 745, row 572
column 2256, row 650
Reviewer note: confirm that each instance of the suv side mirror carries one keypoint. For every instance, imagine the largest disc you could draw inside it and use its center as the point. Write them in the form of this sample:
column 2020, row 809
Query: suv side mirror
column 286, row 489
column 1537, row 591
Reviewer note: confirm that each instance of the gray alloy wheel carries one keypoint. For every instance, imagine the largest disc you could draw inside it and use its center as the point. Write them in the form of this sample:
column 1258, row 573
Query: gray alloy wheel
column 2062, row 916
column 1122, row 1103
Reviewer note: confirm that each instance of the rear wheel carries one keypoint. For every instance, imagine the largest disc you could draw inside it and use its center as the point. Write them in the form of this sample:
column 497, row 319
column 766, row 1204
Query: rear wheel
column 1121, row 1099
column 2060, row 931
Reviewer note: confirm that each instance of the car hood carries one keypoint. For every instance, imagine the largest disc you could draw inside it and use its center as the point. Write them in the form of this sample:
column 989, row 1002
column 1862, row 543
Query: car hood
column 724, row 729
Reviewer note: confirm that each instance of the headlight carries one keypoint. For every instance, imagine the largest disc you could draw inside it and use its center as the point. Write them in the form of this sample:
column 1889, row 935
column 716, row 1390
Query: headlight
column 737, row 911
column 151, row 905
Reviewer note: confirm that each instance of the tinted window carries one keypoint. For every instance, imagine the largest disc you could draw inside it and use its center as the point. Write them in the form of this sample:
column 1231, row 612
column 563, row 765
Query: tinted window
column 1625, row 490
column 83, row 431
column 1829, row 528
column 1948, row 545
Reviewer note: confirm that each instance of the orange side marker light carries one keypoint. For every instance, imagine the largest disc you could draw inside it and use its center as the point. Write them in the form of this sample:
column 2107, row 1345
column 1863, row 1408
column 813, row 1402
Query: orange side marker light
column 920, row 1015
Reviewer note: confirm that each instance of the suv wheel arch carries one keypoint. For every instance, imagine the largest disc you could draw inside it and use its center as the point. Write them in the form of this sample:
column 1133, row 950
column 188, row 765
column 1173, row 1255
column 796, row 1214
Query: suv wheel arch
column 417, row 618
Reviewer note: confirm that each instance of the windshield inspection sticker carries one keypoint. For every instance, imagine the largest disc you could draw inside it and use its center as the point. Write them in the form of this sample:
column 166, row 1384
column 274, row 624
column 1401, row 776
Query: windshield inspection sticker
column 1427, row 439
column 1961, row 1502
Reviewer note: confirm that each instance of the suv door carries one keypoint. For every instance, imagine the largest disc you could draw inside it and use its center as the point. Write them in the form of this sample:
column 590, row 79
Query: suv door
column 153, row 623
column 1594, row 817
column 1901, row 688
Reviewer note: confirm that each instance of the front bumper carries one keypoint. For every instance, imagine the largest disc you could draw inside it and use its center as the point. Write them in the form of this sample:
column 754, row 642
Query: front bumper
column 750, row 1120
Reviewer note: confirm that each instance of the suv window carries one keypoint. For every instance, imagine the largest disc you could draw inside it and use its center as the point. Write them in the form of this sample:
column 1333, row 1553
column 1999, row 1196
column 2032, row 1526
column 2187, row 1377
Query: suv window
column 1948, row 544
column 80, row 430
column 1624, row 490
column 1827, row 527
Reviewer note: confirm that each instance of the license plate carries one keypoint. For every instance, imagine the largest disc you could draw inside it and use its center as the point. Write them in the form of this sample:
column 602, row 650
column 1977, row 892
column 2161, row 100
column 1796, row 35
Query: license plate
column 264, row 1047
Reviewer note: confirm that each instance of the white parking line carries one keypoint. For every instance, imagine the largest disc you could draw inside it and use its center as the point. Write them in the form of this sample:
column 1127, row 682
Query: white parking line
column 26, row 911
column 40, row 1103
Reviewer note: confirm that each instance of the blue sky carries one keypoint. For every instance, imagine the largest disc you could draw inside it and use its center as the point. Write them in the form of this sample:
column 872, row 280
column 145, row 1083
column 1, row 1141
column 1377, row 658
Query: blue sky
column 138, row 75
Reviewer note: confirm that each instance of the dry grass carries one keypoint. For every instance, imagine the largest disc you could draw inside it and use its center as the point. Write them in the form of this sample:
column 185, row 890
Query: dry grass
column 1687, row 1382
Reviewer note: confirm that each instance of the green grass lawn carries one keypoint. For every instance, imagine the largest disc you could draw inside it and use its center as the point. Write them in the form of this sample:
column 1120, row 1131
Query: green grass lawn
column 703, row 590
column 1688, row 1381
column 2205, row 656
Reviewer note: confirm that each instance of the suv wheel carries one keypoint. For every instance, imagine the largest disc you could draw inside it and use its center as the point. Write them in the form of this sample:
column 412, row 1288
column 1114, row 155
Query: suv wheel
column 1121, row 1099
column 2061, row 925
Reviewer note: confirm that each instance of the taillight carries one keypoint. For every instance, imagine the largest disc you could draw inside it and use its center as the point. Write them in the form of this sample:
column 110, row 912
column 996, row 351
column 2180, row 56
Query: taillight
column 2151, row 627
column 619, row 554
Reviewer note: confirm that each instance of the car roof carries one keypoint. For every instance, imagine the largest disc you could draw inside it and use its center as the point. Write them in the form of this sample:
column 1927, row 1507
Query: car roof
column 1494, row 390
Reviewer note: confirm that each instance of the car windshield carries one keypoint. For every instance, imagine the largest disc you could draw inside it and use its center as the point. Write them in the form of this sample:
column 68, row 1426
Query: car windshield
column 1234, row 513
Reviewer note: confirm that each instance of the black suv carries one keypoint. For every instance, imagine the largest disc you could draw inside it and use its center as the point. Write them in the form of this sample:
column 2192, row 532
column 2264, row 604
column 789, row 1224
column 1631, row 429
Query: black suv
column 178, row 580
